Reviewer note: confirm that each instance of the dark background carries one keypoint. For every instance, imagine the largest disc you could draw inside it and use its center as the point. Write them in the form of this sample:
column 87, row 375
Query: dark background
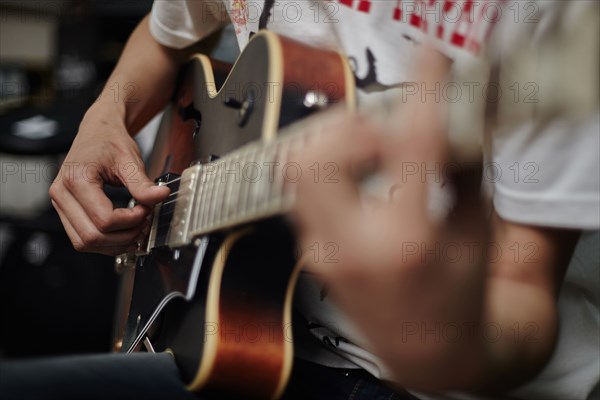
column 55, row 57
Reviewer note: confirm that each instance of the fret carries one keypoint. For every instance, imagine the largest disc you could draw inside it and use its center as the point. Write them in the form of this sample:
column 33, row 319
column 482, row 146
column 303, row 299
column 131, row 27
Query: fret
column 229, row 170
column 218, row 191
column 278, row 187
column 245, row 184
column 271, row 170
column 230, row 177
column 209, row 194
column 221, row 192
column 253, row 176
column 214, row 204
column 204, row 198
column 236, row 206
column 200, row 206
column 294, row 145
column 197, row 203
column 259, row 184
column 234, row 190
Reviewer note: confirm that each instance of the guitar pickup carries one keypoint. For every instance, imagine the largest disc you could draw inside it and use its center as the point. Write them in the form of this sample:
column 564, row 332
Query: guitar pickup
column 179, row 232
column 161, row 219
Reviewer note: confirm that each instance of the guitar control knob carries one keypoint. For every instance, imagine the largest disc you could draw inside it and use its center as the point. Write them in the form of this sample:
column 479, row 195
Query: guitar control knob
column 315, row 100
column 244, row 107
column 232, row 103
column 245, row 111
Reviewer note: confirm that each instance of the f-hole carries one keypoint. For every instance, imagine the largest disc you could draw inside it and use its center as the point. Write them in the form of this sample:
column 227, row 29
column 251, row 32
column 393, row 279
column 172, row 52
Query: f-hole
column 190, row 112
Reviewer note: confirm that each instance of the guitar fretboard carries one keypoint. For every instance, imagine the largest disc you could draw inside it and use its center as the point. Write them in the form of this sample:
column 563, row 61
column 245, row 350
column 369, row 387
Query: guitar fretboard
column 248, row 184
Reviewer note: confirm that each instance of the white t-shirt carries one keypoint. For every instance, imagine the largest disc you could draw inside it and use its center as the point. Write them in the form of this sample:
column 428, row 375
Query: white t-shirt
column 542, row 180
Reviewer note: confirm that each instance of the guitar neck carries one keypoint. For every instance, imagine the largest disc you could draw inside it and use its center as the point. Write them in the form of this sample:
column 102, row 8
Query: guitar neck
column 249, row 184
column 246, row 185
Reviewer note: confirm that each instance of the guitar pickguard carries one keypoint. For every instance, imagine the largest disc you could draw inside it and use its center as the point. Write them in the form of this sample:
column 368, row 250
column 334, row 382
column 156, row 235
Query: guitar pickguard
column 160, row 277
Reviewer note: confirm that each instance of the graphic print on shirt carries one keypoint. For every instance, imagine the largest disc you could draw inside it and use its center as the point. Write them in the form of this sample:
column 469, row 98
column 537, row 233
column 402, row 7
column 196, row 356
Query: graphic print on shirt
column 238, row 14
column 464, row 24
column 266, row 15
column 369, row 83
column 457, row 26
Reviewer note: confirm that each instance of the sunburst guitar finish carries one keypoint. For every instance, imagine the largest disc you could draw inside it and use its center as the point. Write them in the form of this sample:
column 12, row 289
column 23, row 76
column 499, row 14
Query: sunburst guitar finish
column 213, row 284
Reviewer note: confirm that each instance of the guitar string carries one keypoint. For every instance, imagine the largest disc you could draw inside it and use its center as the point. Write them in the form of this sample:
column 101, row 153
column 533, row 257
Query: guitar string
column 164, row 213
column 281, row 143
column 169, row 182
column 214, row 190
column 159, row 226
column 240, row 157
column 237, row 158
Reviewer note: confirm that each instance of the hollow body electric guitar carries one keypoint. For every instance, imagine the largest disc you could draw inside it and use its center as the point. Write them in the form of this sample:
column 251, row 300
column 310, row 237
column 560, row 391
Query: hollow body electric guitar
column 213, row 281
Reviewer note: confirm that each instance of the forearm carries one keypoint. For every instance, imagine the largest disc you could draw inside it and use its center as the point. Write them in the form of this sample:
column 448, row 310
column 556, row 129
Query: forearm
column 521, row 300
column 142, row 81
column 465, row 347
column 514, row 335
column 518, row 333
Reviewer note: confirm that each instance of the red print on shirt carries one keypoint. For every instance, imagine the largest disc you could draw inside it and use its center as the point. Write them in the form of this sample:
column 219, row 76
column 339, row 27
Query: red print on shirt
column 462, row 23
column 363, row 5
column 239, row 14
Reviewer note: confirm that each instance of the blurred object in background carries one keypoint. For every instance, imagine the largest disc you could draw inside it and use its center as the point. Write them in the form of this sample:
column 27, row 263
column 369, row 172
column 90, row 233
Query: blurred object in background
column 53, row 300
column 54, row 58
column 14, row 86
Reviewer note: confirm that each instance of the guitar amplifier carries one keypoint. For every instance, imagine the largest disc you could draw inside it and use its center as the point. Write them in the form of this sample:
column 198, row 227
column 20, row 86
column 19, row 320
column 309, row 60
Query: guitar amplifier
column 53, row 300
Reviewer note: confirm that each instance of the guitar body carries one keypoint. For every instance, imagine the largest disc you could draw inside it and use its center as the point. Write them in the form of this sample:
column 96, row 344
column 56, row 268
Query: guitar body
column 221, row 304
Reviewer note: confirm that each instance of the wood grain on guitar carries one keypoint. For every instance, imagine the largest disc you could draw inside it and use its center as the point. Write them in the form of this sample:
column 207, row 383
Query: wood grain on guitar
column 213, row 281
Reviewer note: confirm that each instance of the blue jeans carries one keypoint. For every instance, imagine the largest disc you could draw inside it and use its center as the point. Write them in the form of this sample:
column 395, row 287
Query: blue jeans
column 146, row 376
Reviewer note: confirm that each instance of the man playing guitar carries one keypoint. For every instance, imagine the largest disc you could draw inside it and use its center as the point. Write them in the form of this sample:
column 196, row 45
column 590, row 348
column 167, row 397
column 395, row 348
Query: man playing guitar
column 394, row 293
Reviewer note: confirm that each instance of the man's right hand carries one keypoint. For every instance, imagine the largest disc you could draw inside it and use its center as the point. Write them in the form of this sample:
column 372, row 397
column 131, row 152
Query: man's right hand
column 102, row 153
